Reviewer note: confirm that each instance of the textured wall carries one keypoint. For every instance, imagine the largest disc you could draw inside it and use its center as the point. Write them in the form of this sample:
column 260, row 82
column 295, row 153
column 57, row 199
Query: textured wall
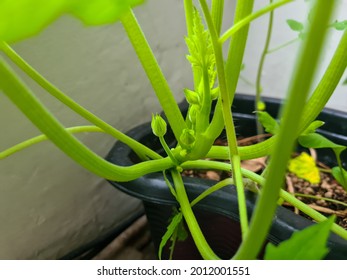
column 48, row 204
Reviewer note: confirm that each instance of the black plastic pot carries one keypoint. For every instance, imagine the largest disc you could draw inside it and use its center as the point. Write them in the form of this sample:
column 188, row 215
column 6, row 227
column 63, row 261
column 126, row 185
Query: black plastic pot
column 218, row 213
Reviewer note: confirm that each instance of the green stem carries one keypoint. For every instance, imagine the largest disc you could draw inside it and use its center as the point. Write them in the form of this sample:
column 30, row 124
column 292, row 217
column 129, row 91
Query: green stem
column 228, row 120
column 237, row 46
column 327, row 84
column 140, row 149
column 314, row 106
column 204, row 164
column 154, row 73
column 283, row 45
column 35, row 140
column 217, row 8
column 320, row 198
column 167, row 150
column 216, row 187
column 302, row 78
column 26, row 101
column 193, row 225
column 248, row 19
column 258, row 87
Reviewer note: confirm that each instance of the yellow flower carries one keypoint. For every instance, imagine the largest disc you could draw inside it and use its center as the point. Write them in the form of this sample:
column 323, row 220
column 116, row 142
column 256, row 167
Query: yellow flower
column 305, row 167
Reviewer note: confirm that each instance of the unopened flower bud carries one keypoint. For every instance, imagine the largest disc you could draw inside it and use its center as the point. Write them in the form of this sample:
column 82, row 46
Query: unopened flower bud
column 158, row 125
column 192, row 97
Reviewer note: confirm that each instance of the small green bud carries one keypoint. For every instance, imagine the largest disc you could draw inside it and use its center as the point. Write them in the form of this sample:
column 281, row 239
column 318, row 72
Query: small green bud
column 187, row 137
column 192, row 97
column 158, row 125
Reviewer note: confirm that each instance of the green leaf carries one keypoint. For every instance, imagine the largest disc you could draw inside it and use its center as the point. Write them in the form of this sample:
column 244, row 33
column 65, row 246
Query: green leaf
column 307, row 244
column 340, row 25
column 344, row 82
column 96, row 12
column 313, row 126
column 295, row 25
column 340, row 175
column 268, row 122
column 317, row 141
column 176, row 220
column 21, row 19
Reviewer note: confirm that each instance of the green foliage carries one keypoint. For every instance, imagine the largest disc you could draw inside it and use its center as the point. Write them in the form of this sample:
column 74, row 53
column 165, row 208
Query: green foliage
column 307, row 244
column 340, row 175
column 20, row 19
column 340, row 25
column 317, row 141
column 269, row 123
column 175, row 231
column 199, row 44
column 295, row 25
column 313, row 126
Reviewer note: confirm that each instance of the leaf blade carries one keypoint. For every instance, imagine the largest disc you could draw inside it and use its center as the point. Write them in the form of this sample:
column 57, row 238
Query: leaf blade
column 307, row 244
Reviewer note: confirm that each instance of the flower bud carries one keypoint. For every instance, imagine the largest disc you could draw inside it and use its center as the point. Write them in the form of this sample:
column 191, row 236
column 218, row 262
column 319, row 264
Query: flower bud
column 192, row 97
column 158, row 125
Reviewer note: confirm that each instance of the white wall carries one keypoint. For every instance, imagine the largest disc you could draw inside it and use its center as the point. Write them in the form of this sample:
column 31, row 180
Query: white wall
column 279, row 65
column 48, row 204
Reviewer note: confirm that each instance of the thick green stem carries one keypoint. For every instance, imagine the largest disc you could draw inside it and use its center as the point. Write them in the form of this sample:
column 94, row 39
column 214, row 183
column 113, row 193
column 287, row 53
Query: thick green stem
column 297, row 94
column 26, row 101
column 314, row 106
column 237, row 47
column 193, row 225
column 154, row 73
column 228, row 119
column 217, row 8
column 140, row 149
column 327, row 84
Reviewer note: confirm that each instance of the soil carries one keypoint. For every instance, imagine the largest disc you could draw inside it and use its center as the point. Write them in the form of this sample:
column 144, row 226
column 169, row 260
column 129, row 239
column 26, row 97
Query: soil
column 328, row 188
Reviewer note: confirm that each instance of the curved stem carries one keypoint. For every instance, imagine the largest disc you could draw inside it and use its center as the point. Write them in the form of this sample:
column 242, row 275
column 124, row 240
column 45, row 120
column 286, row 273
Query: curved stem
column 17, row 92
column 35, row 140
column 304, row 208
column 248, row 19
column 142, row 150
